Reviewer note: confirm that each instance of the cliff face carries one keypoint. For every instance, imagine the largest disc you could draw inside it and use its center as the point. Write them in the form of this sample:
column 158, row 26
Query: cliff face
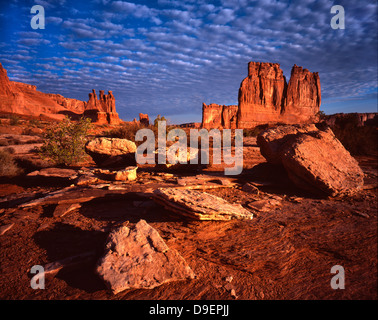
column 303, row 96
column 265, row 97
column 358, row 119
column 219, row 116
column 261, row 94
column 25, row 99
column 76, row 106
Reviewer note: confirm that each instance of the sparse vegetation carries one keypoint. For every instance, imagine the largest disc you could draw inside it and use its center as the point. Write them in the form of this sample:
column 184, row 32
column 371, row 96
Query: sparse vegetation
column 8, row 168
column 158, row 118
column 321, row 115
column 35, row 123
column 64, row 143
column 14, row 120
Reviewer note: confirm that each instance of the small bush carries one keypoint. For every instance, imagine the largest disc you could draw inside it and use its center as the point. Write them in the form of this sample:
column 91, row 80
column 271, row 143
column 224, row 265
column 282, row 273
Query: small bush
column 158, row 118
column 64, row 143
column 14, row 120
column 35, row 123
column 8, row 167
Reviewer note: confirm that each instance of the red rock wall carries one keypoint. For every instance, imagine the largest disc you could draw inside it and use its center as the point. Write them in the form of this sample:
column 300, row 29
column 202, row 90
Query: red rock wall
column 303, row 96
column 264, row 96
column 211, row 116
column 261, row 94
column 25, row 99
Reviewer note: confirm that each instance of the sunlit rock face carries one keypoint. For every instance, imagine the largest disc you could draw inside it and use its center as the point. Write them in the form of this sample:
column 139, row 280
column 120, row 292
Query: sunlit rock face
column 24, row 99
column 265, row 96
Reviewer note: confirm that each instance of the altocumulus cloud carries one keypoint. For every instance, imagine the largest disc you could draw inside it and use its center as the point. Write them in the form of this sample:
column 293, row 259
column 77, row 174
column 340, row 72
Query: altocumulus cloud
column 168, row 56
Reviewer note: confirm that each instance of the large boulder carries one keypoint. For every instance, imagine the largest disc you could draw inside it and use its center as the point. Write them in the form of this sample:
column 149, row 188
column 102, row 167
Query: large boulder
column 314, row 159
column 139, row 258
column 271, row 141
column 107, row 152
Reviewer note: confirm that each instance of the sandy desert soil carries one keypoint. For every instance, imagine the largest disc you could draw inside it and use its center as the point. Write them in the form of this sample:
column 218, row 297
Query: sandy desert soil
column 284, row 253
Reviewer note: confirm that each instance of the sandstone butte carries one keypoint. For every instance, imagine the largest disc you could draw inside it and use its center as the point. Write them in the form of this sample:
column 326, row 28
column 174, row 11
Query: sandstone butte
column 266, row 98
column 24, row 99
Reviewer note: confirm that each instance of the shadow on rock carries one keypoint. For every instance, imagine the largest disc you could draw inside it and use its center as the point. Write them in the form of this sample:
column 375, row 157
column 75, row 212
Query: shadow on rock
column 274, row 179
column 64, row 241
column 132, row 210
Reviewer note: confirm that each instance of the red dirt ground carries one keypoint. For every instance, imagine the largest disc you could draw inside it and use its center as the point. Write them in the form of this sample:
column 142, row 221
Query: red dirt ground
column 286, row 253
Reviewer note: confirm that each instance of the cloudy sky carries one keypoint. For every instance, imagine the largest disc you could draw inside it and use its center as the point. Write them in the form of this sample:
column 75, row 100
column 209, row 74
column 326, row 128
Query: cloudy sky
column 168, row 56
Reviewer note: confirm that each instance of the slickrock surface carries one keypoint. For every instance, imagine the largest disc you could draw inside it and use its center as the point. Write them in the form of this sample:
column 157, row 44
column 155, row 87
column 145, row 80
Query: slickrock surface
column 139, row 258
column 199, row 205
column 127, row 174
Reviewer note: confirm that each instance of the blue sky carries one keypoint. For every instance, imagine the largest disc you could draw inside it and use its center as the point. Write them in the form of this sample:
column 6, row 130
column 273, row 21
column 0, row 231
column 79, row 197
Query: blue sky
column 168, row 56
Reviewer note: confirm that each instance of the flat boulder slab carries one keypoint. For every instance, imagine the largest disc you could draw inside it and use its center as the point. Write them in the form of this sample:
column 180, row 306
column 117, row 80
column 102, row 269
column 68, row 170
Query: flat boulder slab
column 127, row 174
column 54, row 174
column 314, row 159
column 138, row 258
column 198, row 205
column 107, row 152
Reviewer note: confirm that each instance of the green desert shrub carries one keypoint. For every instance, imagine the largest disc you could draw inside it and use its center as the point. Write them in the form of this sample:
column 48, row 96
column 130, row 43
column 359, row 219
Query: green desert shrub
column 14, row 120
column 8, row 168
column 159, row 118
column 64, row 142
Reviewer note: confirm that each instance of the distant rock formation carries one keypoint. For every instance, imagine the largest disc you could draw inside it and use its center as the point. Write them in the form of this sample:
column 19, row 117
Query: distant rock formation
column 74, row 105
column 359, row 119
column 219, row 116
column 24, row 99
column 265, row 97
column 101, row 110
column 144, row 119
